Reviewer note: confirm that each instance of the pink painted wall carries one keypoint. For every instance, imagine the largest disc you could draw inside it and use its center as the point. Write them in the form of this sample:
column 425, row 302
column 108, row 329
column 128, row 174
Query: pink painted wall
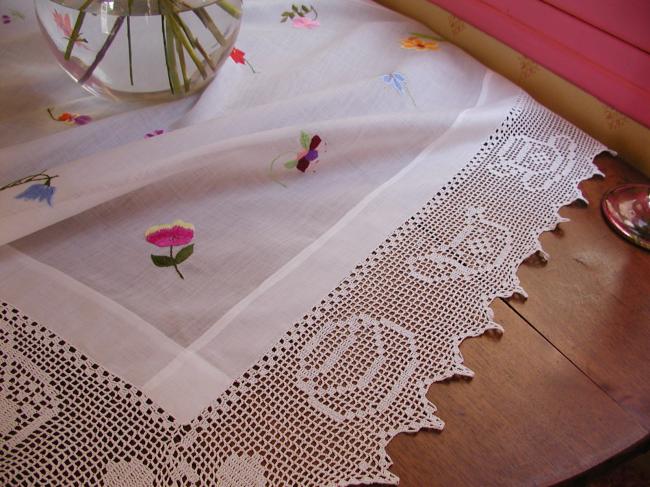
column 602, row 46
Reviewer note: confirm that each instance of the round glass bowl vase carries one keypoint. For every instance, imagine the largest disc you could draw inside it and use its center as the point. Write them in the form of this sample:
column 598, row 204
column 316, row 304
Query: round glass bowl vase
column 139, row 50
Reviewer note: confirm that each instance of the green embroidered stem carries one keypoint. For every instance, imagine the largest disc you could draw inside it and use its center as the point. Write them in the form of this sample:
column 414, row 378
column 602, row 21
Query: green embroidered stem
column 408, row 92
column 77, row 28
column 30, row 179
column 271, row 168
column 128, row 37
column 171, row 256
column 49, row 110
column 314, row 10
column 428, row 36
column 250, row 66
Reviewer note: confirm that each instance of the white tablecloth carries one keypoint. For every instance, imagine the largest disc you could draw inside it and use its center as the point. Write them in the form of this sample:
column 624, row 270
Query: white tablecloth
column 270, row 242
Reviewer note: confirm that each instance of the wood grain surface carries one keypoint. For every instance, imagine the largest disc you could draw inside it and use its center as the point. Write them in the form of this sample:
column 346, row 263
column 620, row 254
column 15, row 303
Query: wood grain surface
column 568, row 384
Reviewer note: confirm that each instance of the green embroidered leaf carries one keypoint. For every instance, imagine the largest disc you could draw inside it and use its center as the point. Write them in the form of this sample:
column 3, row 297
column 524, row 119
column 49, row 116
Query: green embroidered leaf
column 162, row 260
column 291, row 164
column 295, row 8
column 306, row 9
column 305, row 139
column 184, row 253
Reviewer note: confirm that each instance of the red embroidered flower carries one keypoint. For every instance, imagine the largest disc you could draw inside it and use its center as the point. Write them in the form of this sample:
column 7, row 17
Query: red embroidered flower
column 70, row 118
column 238, row 56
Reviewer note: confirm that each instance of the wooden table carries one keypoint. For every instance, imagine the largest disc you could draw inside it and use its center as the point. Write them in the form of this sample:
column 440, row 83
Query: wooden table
column 568, row 384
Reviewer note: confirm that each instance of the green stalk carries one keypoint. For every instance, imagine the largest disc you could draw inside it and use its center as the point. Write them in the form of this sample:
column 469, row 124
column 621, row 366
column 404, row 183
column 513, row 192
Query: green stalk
column 181, row 60
column 209, row 24
column 102, row 52
column 206, row 56
column 164, row 36
column 171, row 56
column 128, row 36
column 230, row 8
column 194, row 41
column 178, row 34
column 76, row 29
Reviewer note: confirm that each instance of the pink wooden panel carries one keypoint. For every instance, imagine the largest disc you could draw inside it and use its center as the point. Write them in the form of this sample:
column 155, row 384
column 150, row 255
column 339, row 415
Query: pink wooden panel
column 602, row 64
column 628, row 20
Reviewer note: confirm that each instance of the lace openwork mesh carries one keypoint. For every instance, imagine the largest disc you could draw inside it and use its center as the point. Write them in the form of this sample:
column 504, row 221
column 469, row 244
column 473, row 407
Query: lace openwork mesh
column 321, row 405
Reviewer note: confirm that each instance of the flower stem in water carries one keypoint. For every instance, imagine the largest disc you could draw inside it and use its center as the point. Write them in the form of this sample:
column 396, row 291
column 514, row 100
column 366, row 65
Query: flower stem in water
column 102, row 52
column 171, row 55
column 76, row 29
column 230, row 8
column 128, row 36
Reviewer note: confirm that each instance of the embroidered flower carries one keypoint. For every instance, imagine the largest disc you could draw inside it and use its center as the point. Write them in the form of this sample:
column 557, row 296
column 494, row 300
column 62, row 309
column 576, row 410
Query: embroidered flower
column 420, row 43
column 397, row 81
column 299, row 16
column 305, row 23
column 64, row 24
column 13, row 14
column 239, row 57
column 155, row 133
column 304, row 157
column 70, row 118
column 171, row 235
column 36, row 192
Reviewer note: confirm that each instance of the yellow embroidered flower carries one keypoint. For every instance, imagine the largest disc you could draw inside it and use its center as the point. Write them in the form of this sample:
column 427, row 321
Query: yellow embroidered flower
column 419, row 44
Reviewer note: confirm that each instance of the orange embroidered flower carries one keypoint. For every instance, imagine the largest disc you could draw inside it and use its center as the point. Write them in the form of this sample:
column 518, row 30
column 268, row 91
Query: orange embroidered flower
column 419, row 44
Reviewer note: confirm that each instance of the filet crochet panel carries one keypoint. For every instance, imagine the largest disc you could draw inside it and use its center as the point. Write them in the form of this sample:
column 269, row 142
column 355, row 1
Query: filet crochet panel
column 319, row 408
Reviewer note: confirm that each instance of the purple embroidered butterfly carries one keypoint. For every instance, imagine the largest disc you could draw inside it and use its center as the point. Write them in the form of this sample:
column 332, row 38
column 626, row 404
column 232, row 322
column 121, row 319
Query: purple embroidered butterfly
column 307, row 155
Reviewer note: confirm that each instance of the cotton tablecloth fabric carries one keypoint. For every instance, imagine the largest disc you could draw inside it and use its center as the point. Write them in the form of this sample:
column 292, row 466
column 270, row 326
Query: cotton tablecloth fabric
column 354, row 205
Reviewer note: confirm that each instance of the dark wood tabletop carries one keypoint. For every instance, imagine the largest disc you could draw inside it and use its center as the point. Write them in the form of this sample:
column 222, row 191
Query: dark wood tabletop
column 567, row 386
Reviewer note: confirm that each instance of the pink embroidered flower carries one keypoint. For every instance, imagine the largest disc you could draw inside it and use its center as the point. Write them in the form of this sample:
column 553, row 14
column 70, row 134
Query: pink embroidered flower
column 64, row 24
column 305, row 23
column 62, row 21
column 171, row 235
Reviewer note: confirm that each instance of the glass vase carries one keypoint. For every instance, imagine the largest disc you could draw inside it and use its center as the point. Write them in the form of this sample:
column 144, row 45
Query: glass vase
column 140, row 49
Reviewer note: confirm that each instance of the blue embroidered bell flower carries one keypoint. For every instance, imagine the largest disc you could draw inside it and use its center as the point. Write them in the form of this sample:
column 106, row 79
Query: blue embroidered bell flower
column 38, row 192
column 396, row 80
